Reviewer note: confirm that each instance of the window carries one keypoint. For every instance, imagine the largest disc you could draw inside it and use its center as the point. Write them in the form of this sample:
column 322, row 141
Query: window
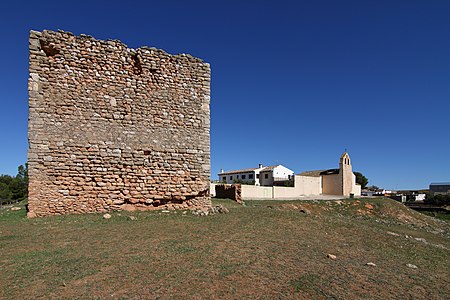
column 237, row 176
column 231, row 177
column 224, row 178
column 250, row 176
column 257, row 175
column 243, row 176
column 266, row 176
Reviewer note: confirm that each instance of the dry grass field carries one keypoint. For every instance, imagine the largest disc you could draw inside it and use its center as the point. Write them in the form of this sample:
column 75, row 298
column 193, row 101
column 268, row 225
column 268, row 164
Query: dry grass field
column 262, row 250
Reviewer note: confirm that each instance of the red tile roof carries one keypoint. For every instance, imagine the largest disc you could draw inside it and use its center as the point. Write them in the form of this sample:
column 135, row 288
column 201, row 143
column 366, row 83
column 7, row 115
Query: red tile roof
column 264, row 169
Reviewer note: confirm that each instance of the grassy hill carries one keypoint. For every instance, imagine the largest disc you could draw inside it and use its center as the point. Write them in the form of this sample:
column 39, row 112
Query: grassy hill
column 264, row 250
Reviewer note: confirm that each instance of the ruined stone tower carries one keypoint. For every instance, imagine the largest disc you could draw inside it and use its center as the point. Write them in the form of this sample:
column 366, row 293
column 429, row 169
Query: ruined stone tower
column 115, row 128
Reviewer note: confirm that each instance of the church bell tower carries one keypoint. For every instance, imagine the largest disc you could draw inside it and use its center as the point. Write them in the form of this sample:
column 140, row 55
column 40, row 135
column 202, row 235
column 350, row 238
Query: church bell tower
column 346, row 173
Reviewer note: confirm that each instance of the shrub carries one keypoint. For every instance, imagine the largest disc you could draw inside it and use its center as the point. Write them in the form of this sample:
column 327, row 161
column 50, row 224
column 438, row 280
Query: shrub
column 240, row 181
column 440, row 199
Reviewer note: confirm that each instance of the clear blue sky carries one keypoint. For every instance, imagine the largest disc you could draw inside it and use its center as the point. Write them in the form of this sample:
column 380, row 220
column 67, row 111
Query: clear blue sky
column 293, row 82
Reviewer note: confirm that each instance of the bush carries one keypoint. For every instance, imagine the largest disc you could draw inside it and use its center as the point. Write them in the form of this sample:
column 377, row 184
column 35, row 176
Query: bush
column 440, row 200
column 240, row 181
column 285, row 183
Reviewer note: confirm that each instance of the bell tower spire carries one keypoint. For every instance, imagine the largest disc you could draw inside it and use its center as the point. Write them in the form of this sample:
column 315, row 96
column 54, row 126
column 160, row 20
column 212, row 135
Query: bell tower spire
column 344, row 160
column 346, row 173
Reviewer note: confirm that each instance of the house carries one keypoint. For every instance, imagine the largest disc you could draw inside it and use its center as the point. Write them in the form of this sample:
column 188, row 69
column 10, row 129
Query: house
column 264, row 176
column 407, row 196
column 340, row 181
column 440, row 188
column 411, row 195
column 376, row 193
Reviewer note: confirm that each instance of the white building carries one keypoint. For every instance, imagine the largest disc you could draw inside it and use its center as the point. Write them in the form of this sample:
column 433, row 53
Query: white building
column 264, row 176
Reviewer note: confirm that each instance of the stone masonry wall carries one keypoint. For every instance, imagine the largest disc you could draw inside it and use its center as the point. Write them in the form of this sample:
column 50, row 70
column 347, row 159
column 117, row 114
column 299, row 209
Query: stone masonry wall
column 229, row 191
column 115, row 128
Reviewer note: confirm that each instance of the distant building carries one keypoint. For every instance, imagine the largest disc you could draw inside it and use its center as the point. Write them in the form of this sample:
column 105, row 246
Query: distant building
column 408, row 196
column 440, row 188
column 418, row 197
column 368, row 193
column 376, row 193
column 383, row 192
column 264, row 176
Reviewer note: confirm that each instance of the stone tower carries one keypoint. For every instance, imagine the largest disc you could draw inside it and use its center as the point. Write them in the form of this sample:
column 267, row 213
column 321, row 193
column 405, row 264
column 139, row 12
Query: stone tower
column 346, row 174
column 113, row 128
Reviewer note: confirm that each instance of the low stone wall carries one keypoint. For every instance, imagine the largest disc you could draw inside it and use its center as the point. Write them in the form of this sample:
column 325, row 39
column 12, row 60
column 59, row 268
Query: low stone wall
column 229, row 191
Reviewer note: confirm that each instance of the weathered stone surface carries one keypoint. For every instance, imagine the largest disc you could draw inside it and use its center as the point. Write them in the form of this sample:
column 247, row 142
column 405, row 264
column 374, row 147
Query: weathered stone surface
column 115, row 128
column 233, row 191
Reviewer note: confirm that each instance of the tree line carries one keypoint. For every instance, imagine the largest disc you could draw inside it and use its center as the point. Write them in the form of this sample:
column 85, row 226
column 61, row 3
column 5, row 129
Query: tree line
column 14, row 188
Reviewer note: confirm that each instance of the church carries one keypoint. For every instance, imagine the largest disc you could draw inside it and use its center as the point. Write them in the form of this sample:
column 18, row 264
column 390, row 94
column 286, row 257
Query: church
column 340, row 181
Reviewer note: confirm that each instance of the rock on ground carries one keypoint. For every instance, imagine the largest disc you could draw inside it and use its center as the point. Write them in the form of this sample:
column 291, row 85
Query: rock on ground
column 332, row 256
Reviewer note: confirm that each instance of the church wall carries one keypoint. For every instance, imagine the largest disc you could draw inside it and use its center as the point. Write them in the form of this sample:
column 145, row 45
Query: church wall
column 332, row 184
column 306, row 185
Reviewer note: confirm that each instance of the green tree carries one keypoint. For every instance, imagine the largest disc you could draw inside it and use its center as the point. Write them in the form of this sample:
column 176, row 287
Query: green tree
column 14, row 188
column 439, row 200
column 21, row 183
column 361, row 179
column 373, row 188
column 22, row 172
column 5, row 187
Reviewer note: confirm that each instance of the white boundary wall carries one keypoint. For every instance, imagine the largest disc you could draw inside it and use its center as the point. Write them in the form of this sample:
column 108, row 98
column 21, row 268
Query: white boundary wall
column 212, row 189
column 256, row 192
column 303, row 186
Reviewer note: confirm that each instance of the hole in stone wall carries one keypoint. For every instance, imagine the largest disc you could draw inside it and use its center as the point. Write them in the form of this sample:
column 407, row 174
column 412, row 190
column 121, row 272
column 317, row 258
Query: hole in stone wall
column 49, row 49
column 146, row 152
column 153, row 70
column 136, row 62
